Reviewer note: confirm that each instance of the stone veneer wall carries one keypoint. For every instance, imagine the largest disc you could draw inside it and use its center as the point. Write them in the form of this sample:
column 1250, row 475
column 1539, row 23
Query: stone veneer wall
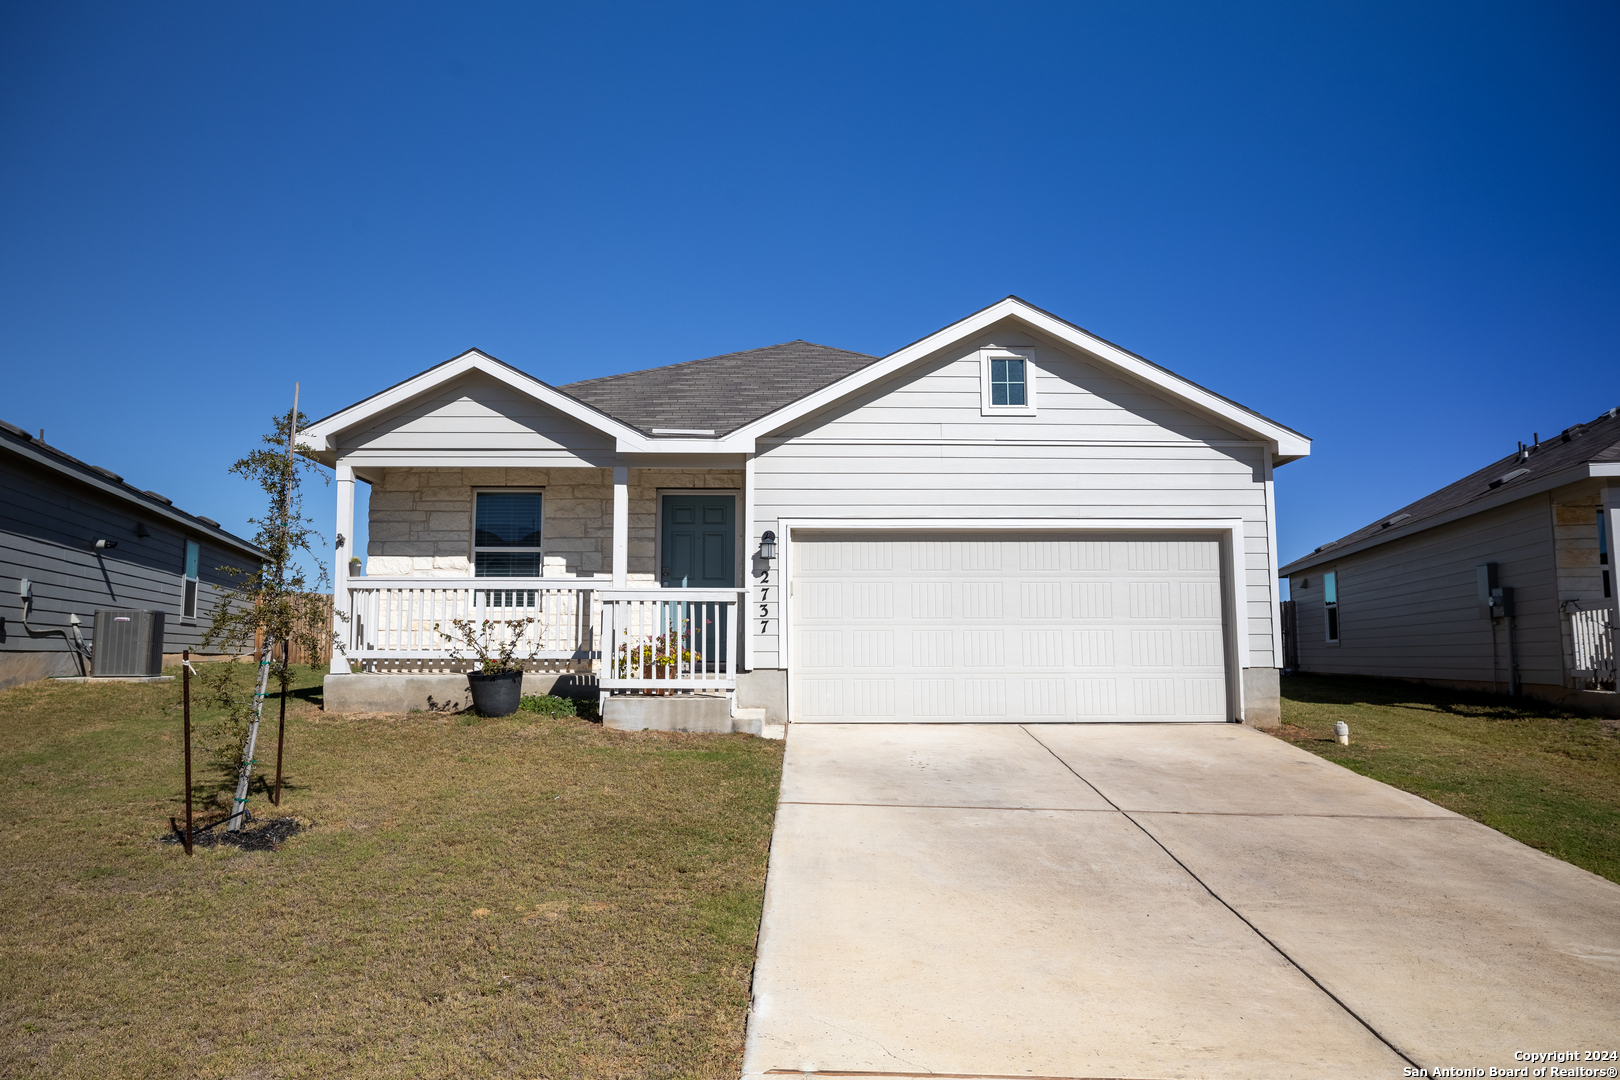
column 421, row 519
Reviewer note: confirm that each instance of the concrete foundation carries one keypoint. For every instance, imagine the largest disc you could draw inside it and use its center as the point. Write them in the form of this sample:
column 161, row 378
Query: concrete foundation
column 17, row 668
column 764, row 688
column 1262, row 698
column 372, row 692
column 700, row 714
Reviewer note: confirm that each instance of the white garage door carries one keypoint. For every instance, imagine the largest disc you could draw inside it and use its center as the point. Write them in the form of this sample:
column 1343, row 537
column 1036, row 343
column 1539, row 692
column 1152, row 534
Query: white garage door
column 971, row 627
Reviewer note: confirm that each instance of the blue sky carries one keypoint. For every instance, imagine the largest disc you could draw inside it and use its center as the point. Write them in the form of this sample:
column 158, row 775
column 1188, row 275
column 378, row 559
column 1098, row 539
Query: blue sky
column 1390, row 226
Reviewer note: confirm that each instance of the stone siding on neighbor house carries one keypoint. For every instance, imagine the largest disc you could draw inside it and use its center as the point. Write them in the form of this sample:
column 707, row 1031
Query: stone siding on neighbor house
column 421, row 519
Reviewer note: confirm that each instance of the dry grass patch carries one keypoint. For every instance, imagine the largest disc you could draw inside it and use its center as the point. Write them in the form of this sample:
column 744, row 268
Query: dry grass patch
column 1547, row 778
column 532, row 896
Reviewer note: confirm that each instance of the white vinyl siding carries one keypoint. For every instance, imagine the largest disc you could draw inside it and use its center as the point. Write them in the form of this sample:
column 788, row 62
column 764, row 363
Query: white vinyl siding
column 477, row 422
column 1100, row 448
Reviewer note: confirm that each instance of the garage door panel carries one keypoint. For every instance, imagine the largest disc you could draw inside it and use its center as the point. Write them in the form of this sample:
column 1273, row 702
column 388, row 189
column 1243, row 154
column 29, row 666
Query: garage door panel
column 976, row 628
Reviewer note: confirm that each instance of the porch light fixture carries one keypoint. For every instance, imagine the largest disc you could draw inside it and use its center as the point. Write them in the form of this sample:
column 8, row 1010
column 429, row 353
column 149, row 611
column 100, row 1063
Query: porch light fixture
column 767, row 545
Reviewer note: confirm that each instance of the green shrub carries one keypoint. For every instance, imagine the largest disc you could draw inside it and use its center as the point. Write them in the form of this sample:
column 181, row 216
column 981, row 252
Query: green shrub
column 549, row 705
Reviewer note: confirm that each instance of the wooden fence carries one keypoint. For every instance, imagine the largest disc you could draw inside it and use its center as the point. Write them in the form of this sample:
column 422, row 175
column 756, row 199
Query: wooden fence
column 322, row 627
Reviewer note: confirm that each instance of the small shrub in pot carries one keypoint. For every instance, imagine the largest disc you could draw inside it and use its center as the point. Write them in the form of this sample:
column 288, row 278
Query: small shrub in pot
column 497, row 684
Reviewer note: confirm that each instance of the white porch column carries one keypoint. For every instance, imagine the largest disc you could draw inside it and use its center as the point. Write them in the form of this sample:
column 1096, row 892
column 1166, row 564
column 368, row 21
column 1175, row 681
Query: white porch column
column 621, row 524
column 342, row 548
column 745, row 609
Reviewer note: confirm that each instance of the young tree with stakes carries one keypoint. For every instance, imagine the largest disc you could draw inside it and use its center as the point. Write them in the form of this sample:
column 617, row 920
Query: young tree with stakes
column 275, row 605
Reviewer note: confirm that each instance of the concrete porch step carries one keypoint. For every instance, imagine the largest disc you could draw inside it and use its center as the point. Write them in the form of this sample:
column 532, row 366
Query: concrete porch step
column 696, row 713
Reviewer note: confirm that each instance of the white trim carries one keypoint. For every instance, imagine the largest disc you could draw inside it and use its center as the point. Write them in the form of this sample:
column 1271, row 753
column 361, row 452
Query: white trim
column 1333, row 606
column 1134, row 444
column 320, row 437
column 746, row 611
column 621, row 524
column 736, row 528
column 187, row 543
column 342, row 600
column 1030, row 380
column 1283, row 442
column 1230, row 530
column 1271, row 553
column 472, row 525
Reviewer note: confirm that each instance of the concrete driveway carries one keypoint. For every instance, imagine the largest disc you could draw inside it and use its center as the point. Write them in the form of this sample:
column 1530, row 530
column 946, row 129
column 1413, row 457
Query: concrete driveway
column 1154, row 901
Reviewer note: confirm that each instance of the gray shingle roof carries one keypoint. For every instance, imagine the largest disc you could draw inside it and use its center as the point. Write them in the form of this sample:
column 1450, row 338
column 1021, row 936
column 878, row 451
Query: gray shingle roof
column 1597, row 441
column 720, row 393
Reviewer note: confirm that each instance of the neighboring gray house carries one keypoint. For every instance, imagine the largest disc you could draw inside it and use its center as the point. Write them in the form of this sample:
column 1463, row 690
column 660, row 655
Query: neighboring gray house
column 1008, row 520
column 1408, row 596
column 53, row 510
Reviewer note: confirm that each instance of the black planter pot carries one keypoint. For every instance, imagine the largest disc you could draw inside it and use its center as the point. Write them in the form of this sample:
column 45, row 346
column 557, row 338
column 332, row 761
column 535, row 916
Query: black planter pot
column 496, row 695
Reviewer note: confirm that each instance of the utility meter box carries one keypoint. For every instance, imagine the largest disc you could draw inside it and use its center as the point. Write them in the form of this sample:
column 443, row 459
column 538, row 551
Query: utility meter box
column 129, row 641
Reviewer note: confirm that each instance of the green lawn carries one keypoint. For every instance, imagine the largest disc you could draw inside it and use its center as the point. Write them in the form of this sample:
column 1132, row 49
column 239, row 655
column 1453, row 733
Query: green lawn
column 1548, row 778
column 534, row 896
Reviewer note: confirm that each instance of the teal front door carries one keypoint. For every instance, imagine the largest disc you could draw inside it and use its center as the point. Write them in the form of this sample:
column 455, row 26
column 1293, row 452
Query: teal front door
column 700, row 542
column 699, row 551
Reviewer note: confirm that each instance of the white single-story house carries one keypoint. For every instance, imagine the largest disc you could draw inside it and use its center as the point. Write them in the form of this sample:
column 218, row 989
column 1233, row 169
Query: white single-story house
column 1010, row 519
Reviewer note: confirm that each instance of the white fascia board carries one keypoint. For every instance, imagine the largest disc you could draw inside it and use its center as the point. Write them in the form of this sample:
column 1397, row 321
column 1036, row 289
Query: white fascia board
column 1551, row 482
column 1285, row 445
column 319, row 436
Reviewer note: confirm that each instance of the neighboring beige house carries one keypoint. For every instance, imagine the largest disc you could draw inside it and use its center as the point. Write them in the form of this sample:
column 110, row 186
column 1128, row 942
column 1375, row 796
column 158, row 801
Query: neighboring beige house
column 1008, row 520
column 1409, row 596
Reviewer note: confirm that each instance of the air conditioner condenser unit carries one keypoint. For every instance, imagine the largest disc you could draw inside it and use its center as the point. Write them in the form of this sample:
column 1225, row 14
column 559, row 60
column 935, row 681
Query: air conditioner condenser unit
column 129, row 641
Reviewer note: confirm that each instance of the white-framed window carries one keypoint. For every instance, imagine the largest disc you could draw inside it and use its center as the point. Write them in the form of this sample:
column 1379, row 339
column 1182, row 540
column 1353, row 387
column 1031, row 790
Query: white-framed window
column 1007, row 382
column 188, row 582
column 506, row 532
column 1330, row 603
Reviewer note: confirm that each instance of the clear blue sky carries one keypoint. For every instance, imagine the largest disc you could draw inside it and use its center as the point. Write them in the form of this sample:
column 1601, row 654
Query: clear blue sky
column 1391, row 226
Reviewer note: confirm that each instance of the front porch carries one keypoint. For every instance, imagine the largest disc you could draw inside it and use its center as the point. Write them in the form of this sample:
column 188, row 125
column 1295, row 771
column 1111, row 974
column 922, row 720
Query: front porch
column 619, row 590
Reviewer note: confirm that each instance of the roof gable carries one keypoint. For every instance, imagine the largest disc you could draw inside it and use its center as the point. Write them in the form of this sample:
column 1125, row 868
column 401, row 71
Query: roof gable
column 1286, row 443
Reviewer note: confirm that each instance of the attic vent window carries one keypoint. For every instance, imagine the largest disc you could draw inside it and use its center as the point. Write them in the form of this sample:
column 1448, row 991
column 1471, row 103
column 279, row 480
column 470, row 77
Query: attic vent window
column 1396, row 520
column 1007, row 382
column 682, row 431
column 1514, row 475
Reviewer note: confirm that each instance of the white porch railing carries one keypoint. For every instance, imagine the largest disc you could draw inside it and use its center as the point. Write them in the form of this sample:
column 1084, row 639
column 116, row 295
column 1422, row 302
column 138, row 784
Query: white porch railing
column 645, row 639
column 394, row 618
column 670, row 639
column 1592, row 634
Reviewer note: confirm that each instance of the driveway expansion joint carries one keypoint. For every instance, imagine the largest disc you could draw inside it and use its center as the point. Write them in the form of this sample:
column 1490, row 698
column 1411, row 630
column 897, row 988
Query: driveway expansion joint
column 1397, row 1051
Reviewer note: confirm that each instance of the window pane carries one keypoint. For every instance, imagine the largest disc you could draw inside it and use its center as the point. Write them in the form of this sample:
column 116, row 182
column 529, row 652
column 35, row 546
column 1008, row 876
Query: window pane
column 1006, row 382
column 508, row 519
column 191, row 560
column 188, row 608
column 507, row 564
column 1330, row 588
